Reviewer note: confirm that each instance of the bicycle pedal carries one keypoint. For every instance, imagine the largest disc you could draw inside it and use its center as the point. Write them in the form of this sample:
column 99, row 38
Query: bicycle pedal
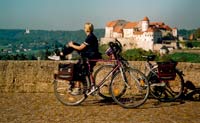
column 93, row 91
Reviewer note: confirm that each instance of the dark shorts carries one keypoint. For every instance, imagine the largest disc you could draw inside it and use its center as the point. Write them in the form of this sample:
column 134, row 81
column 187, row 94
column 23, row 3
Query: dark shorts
column 68, row 50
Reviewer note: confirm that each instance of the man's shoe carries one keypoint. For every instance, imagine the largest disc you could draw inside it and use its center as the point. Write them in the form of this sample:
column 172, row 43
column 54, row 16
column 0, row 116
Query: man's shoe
column 54, row 57
column 76, row 91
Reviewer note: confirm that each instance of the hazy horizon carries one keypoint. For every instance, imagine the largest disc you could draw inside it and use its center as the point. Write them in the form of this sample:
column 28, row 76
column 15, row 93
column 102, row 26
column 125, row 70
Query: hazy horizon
column 69, row 15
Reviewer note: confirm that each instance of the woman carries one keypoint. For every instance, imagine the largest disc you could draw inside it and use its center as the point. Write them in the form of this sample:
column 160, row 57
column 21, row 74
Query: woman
column 87, row 49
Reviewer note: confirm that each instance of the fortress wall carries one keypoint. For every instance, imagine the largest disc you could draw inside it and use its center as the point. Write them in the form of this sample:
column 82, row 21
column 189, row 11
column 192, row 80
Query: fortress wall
column 37, row 76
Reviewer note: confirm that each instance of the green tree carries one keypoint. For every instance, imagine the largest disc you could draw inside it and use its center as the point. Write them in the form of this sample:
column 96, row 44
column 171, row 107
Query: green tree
column 197, row 33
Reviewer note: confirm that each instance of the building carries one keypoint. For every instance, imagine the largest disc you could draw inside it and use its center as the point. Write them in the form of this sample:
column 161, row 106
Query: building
column 142, row 34
column 114, row 29
column 27, row 31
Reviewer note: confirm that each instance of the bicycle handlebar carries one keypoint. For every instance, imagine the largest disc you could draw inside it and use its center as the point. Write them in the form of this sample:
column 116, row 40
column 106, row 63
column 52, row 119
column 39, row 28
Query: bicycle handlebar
column 116, row 48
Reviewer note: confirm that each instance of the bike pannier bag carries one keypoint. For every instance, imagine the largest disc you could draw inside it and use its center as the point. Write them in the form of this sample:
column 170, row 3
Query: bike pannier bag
column 65, row 71
column 166, row 70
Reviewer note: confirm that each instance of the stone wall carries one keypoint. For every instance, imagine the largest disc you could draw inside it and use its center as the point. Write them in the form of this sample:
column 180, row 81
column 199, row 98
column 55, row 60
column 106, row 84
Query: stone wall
column 37, row 76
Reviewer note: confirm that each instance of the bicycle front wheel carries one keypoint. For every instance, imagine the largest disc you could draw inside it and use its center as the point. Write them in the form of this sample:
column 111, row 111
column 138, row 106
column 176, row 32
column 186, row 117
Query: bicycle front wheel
column 63, row 90
column 137, row 88
column 104, row 90
column 103, row 70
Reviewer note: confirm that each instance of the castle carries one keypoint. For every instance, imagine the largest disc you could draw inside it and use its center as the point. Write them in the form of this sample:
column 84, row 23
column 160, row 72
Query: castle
column 142, row 34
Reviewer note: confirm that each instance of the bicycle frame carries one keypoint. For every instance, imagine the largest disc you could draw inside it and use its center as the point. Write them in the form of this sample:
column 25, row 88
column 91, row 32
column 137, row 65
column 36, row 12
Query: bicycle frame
column 151, row 68
column 117, row 66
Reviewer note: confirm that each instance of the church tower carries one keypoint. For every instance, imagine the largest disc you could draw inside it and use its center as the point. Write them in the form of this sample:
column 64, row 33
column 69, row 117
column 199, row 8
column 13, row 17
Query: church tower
column 145, row 24
column 27, row 31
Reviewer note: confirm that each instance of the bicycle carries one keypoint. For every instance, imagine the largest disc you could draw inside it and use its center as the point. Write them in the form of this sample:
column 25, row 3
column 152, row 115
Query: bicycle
column 165, row 86
column 128, row 86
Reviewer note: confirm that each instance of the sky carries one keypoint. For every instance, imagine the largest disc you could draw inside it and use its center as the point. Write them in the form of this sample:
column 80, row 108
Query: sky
column 72, row 14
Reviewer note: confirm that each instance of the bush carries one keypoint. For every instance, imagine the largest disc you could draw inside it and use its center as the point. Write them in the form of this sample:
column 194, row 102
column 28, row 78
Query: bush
column 191, row 44
column 135, row 54
column 185, row 57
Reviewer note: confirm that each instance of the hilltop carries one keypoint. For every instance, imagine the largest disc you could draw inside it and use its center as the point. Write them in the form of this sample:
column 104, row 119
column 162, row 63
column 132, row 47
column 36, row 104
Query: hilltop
column 18, row 41
column 19, row 36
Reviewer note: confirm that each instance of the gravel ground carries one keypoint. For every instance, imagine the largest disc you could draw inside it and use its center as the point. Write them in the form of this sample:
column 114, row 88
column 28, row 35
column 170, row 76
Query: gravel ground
column 44, row 108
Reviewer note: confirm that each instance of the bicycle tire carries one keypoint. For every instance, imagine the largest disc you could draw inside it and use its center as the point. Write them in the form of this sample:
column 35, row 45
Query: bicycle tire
column 63, row 94
column 104, row 91
column 172, row 89
column 137, row 90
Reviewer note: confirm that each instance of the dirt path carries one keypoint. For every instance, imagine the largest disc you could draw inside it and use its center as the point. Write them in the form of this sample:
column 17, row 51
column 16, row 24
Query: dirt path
column 44, row 108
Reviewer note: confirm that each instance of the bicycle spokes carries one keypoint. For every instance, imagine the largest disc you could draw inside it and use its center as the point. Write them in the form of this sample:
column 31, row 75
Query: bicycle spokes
column 136, row 92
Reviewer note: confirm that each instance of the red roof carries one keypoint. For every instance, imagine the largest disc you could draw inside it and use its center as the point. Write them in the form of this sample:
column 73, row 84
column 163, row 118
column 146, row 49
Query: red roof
column 157, row 23
column 111, row 24
column 118, row 29
column 160, row 25
column 153, row 29
column 130, row 25
column 167, row 27
column 116, row 23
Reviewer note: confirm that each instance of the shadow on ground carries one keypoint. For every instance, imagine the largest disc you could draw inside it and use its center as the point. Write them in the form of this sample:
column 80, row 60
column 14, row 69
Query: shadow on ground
column 191, row 92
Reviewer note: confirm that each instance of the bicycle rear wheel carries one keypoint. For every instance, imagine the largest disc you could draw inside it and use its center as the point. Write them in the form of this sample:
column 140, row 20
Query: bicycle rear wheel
column 63, row 92
column 137, row 88
column 171, row 89
column 104, row 90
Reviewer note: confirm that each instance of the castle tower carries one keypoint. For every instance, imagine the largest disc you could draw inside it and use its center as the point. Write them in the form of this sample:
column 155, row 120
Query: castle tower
column 175, row 32
column 145, row 24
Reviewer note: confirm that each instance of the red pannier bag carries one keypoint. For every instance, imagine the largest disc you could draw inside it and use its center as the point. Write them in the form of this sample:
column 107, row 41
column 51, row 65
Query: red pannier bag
column 167, row 70
column 65, row 71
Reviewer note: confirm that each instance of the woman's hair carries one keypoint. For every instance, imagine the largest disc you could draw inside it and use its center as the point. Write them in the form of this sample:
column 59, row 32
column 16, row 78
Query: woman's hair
column 89, row 27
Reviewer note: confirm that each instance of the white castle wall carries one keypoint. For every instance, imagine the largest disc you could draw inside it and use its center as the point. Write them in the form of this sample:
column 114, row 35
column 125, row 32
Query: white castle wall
column 130, row 43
